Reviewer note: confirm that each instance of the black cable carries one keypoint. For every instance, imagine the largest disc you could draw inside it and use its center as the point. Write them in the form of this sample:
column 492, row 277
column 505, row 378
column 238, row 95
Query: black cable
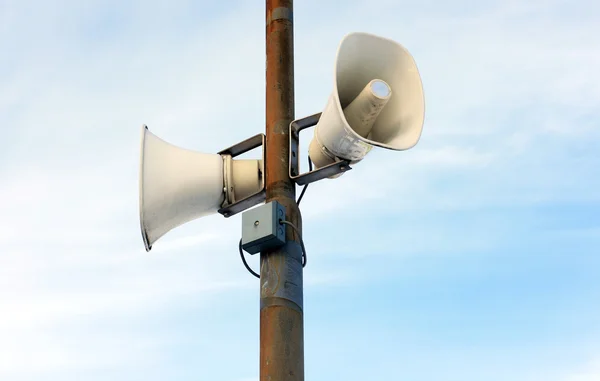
column 283, row 222
column 244, row 261
column 310, row 167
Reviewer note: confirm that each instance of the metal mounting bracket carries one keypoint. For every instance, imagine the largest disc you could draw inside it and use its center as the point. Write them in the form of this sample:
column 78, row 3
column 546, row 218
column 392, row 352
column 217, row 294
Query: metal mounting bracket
column 229, row 210
column 318, row 174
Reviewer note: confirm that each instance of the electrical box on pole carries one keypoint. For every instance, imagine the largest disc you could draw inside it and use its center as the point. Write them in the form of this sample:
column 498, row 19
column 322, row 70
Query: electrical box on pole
column 261, row 228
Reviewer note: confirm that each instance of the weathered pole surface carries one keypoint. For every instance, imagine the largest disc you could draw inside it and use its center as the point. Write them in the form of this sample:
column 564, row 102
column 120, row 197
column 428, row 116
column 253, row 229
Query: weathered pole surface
column 281, row 314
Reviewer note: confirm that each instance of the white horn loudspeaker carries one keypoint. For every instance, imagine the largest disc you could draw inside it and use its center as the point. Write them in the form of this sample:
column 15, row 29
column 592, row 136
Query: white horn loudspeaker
column 377, row 100
column 178, row 185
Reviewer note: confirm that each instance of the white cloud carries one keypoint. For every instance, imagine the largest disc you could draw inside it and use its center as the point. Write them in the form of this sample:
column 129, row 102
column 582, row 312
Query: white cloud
column 590, row 372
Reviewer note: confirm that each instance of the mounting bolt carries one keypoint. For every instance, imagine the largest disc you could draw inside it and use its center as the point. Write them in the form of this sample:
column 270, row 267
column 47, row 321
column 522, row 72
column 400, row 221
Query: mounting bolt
column 256, row 223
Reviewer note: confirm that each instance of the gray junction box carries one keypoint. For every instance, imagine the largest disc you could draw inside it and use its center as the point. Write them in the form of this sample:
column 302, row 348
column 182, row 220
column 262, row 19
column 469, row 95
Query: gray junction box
column 261, row 229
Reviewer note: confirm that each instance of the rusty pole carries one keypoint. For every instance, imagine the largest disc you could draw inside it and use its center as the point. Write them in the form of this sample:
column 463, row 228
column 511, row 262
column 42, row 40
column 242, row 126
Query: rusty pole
column 281, row 314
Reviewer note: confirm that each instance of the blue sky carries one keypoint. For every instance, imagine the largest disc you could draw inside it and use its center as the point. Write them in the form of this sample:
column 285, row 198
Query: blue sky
column 473, row 256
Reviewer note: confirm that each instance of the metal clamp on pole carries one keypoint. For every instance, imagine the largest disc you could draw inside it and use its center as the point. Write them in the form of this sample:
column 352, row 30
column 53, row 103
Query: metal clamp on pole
column 232, row 205
column 330, row 170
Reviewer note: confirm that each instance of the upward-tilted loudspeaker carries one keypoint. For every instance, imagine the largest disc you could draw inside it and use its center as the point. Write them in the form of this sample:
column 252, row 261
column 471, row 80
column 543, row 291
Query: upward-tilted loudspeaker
column 179, row 185
column 377, row 100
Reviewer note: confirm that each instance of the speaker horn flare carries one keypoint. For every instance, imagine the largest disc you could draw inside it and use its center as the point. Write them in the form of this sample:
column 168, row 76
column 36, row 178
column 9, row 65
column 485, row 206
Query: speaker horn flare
column 178, row 185
column 377, row 100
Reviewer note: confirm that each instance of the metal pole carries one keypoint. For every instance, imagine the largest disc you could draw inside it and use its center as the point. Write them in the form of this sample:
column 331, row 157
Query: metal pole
column 281, row 316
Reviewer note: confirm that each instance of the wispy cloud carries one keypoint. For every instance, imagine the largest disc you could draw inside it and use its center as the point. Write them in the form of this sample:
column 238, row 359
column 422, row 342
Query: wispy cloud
column 590, row 372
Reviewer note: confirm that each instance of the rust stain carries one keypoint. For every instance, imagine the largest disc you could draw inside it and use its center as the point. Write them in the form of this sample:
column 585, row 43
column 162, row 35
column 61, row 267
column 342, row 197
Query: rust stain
column 282, row 348
column 281, row 327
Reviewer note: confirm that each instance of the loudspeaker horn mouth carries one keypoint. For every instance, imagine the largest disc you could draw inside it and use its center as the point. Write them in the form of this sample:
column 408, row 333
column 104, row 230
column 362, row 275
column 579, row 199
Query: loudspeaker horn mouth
column 147, row 245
